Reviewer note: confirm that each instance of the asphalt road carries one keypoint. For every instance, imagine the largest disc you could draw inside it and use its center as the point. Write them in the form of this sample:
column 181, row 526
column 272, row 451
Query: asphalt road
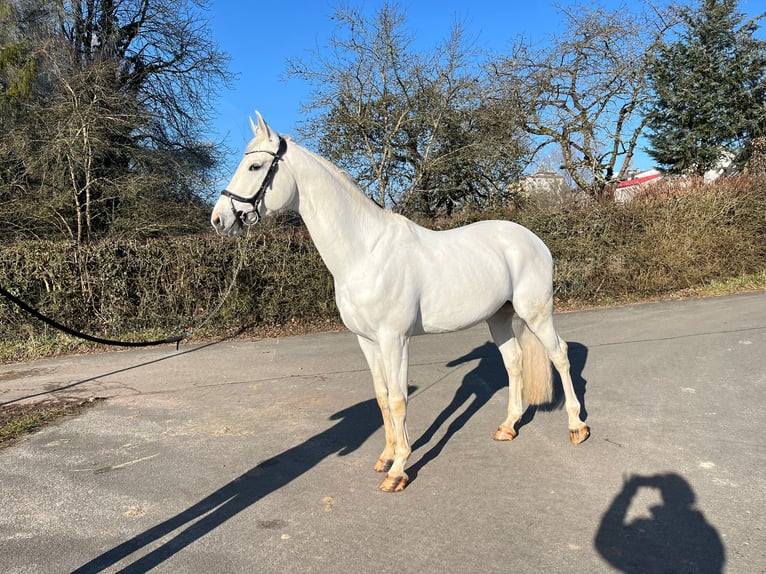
column 257, row 456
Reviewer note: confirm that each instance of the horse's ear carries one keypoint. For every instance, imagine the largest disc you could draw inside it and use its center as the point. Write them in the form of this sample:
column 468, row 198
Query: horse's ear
column 253, row 126
column 262, row 128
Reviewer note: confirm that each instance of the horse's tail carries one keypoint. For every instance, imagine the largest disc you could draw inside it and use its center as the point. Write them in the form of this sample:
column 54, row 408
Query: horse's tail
column 537, row 376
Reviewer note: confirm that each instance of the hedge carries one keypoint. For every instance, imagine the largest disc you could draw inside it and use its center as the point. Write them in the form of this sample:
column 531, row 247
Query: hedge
column 671, row 239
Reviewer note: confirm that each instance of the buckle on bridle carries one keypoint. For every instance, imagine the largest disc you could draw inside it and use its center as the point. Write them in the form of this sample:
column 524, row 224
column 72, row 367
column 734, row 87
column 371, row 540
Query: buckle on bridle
column 252, row 217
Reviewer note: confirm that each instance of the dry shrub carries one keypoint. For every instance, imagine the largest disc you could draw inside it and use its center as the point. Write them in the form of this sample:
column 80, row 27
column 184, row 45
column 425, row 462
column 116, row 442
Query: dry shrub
column 676, row 237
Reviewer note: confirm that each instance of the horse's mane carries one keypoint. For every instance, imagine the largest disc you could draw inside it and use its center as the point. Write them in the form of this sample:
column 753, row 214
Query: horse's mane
column 349, row 181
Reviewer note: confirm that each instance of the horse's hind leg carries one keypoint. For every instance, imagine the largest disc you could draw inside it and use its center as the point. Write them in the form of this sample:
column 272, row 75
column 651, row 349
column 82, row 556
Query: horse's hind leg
column 540, row 322
column 502, row 333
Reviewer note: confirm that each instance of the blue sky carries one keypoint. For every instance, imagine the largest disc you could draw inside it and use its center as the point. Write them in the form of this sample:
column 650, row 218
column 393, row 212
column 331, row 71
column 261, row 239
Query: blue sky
column 261, row 37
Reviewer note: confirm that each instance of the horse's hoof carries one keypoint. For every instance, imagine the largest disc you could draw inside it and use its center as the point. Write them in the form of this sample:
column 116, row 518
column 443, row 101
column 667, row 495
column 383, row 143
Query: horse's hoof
column 383, row 465
column 579, row 435
column 394, row 483
column 504, row 433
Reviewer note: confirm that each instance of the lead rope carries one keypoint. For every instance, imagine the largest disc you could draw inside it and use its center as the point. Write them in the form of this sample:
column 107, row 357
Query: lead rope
column 56, row 325
column 229, row 289
column 115, row 343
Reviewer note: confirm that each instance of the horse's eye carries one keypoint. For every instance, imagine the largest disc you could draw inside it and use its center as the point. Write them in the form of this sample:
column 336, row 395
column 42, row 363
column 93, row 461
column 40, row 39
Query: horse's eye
column 254, row 167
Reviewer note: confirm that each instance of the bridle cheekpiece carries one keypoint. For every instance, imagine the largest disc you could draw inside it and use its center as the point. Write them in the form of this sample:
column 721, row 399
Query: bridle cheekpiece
column 252, row 217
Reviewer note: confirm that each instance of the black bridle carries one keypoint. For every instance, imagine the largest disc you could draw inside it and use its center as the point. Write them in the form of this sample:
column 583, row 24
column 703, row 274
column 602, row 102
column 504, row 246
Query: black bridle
column 252, row 217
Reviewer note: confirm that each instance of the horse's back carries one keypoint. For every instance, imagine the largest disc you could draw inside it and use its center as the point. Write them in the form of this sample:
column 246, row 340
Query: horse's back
column 506, row 246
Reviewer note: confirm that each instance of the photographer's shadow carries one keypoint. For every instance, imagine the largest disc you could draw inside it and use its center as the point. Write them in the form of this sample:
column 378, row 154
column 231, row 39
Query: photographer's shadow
column 676, row 538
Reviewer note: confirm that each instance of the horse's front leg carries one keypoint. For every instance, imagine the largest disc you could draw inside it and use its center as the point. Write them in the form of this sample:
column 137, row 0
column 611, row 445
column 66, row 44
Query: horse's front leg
column 394, row 353
column 371, row 352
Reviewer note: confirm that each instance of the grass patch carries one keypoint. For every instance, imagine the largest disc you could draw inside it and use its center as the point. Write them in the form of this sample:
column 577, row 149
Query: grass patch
column 753, row 282
column 19, row 420
column 715, row 288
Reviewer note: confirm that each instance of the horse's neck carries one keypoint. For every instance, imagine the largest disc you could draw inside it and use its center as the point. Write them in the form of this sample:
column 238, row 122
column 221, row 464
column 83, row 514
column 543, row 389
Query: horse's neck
column 343, row 223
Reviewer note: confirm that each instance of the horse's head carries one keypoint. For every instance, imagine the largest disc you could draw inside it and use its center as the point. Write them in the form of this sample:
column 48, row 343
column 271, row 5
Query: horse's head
column 255, row 190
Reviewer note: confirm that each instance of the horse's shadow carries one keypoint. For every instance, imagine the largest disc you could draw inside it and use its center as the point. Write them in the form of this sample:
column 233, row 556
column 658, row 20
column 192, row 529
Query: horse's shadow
column 355, row 425
column 478, row 387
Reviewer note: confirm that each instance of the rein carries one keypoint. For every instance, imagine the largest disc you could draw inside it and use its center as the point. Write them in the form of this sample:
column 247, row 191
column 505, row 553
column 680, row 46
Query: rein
column 252, row 217
column 69, row 331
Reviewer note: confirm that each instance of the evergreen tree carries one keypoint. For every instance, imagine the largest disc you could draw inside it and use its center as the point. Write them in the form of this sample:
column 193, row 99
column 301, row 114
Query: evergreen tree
column 709, row 89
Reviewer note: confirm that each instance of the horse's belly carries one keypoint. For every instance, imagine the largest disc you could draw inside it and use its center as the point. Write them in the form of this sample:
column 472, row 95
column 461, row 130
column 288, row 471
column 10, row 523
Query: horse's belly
column 456, row 305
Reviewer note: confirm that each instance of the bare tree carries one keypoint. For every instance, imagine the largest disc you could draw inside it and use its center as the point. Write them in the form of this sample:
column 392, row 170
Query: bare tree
column 114, row 119
column 407, row 124
column 583, row 90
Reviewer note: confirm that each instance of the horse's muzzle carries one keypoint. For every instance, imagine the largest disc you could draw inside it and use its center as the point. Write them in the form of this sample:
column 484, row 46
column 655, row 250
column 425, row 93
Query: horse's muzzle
column 223, row 227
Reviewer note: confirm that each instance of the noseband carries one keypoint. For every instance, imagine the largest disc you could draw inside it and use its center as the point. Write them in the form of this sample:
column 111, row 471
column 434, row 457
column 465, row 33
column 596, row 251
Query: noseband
column 252, row 217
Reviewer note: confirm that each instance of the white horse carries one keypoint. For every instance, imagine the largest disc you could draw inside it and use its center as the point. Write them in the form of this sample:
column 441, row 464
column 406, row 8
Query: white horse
column 395, row 279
